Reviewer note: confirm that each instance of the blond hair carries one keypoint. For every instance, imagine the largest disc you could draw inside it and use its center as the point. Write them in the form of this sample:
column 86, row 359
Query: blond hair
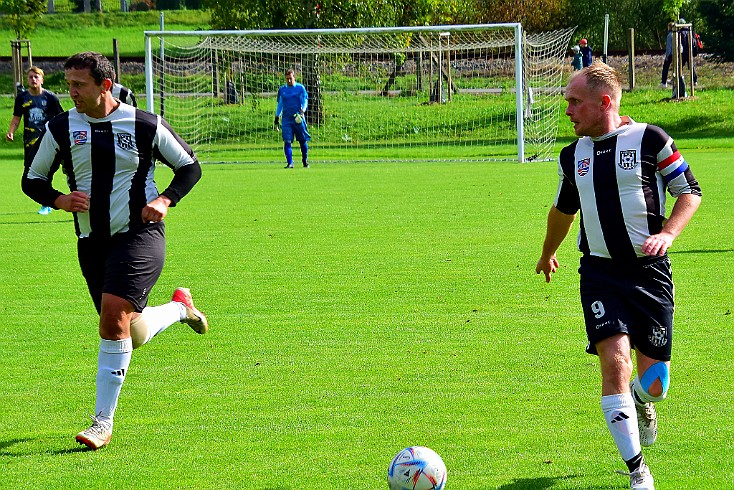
column 601, row 77
column 35, row 70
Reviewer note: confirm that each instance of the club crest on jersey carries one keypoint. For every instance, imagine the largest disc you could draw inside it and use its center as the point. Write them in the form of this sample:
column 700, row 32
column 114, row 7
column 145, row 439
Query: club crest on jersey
column 80, row 137
column 125, row 141
column 582, row 166
column 628, row 159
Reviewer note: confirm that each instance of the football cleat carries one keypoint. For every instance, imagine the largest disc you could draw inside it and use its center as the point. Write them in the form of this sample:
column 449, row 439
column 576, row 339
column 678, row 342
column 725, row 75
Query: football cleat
column 641, row 478
column 647, row 422
column 45, row 210
column 96, row 436
column 194, row 318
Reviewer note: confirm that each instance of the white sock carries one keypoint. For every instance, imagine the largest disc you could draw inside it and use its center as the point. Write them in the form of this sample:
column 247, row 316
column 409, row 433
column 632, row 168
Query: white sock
column 621, row 416
column 112, row 363
column 153, row 320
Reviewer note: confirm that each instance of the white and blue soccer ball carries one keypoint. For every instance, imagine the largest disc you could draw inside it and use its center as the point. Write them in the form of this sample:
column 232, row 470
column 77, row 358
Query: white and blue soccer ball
column 417, row 468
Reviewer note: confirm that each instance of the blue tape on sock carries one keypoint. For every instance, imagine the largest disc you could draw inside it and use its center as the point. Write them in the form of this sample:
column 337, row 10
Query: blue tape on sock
column 659, row 370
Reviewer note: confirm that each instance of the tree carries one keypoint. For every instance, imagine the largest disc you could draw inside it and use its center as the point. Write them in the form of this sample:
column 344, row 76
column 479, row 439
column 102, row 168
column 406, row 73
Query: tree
column 534, row 15
column 21, row 15
column 719, row 18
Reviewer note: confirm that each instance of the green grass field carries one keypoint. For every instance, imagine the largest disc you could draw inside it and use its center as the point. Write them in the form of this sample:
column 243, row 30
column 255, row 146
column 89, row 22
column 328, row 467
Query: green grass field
column 355, row 310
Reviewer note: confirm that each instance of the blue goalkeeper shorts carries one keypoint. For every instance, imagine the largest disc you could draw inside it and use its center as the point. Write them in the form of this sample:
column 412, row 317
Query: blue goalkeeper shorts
column 291, row 128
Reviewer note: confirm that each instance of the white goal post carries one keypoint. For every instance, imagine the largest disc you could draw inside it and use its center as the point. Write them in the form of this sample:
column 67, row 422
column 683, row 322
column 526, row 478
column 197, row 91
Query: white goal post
column 467, row 92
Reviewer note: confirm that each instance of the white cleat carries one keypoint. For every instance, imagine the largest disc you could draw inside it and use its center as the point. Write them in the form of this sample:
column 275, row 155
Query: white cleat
column 97, row 436
column 641, row 478
column 647, row 422
column 194, row 318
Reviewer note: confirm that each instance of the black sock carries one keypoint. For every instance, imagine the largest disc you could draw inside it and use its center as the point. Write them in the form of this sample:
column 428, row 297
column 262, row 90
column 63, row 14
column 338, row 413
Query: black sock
column 635, row 463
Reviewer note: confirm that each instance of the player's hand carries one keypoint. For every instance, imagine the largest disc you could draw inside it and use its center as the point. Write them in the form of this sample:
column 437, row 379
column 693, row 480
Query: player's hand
column 276, row 122
column 74, row 202
column 547, row 267
column 657, row 245
column 156, row 210
column 9, row 136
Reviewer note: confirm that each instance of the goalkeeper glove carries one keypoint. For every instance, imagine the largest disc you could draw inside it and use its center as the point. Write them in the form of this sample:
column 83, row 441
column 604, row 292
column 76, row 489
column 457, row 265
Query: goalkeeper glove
column 298, row 118
column 277, row 120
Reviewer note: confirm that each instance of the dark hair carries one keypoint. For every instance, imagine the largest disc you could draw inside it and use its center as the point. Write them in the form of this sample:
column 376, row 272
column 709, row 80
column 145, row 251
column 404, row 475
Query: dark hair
column 99, row 66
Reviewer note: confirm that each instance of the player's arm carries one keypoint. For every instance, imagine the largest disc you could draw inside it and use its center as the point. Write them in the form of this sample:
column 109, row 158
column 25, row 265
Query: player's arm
column 682, row 185
column 304, row 100
column 38, row 176
column 683, row 210
column 557, row 228
column 14, row 123
column 177, row 154
column 55, row 108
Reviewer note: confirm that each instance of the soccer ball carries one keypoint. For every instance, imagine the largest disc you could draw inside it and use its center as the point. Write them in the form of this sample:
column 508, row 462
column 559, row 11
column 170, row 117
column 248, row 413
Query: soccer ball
column 416, row 468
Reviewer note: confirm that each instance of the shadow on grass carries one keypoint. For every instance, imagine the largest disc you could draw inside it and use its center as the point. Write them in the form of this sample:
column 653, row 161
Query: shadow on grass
column 6, row 445
column 544, row 483
column 533, row 483
column 12, row 442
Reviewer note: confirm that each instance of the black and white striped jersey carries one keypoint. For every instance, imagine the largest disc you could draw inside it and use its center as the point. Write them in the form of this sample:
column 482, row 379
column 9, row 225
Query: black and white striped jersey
column 124, row 94
column 618, row 182
column 112, row 159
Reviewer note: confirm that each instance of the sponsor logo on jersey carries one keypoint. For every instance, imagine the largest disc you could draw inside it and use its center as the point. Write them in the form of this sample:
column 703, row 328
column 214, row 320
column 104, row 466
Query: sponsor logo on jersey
column 125, row 141
column 628, row 159
column 80, row 137
column 582, row 166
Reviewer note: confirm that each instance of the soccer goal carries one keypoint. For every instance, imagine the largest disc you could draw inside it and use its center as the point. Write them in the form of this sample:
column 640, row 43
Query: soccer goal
column 475, row 92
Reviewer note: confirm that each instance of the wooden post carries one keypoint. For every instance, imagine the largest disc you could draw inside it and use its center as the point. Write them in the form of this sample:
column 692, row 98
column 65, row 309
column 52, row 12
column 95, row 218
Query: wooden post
column 676, row 63
column 690, row 58
column 19, row 71
column 116, row 58
column 631, row 59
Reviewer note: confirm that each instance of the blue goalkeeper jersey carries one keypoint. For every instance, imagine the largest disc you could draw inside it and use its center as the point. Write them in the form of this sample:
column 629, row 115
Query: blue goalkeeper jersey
column 291, row 100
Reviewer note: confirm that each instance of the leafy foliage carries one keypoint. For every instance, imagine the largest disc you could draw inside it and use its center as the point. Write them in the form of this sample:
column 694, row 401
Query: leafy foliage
column 21, row 15
column 535, row 15
column 719, row 18
column 304, row 14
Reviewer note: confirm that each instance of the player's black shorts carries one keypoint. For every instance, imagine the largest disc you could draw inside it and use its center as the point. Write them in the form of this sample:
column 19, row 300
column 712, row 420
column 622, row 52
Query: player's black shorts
column 126, row 264
column 633, row 298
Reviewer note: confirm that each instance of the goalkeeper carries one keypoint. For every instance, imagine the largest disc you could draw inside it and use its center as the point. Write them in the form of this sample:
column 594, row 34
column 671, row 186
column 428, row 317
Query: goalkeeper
column 292, row 104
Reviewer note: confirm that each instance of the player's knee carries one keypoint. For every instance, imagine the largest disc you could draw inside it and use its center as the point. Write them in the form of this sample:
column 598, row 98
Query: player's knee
column 647, row 389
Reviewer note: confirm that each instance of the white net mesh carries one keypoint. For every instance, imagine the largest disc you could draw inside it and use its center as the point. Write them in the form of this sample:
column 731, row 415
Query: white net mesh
column 428, row 94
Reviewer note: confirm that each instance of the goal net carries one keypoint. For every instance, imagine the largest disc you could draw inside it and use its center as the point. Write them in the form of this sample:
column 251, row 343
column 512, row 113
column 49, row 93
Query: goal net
column 481, row 92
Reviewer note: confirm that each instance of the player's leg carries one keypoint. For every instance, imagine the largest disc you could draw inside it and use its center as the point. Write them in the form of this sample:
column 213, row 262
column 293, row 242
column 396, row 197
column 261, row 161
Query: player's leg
column 666, row 69
column 653, row 302
column 130, row 267
column 302, row 136
column 155, row 319
column 287, row 133
column 606, row 316
column 619, row 410
column 304, row 152
column 649, row 387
